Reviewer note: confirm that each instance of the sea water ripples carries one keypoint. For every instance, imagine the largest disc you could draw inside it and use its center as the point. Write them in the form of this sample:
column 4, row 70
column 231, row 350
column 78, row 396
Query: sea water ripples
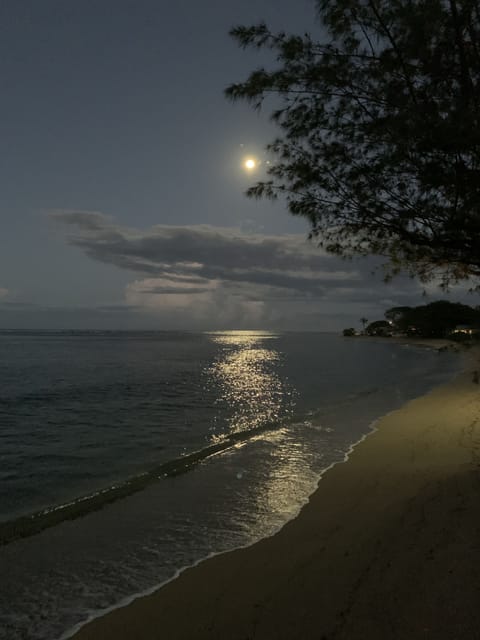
column 253, row 418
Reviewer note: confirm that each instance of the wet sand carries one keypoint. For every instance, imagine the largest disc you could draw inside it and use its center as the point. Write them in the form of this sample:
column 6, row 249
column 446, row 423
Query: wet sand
column 388, row 547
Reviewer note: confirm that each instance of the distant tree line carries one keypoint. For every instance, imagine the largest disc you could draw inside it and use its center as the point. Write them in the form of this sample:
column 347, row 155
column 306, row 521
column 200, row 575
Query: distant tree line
column 434, row 320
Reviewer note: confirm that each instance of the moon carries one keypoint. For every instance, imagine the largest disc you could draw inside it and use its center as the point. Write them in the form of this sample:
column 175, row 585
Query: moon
column 250, row 164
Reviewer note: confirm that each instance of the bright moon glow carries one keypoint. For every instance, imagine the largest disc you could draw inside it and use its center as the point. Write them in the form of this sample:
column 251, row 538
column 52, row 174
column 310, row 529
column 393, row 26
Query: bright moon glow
column 250, row 164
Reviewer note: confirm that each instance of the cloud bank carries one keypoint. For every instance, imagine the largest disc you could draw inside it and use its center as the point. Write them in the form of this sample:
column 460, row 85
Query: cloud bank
column 223, row 277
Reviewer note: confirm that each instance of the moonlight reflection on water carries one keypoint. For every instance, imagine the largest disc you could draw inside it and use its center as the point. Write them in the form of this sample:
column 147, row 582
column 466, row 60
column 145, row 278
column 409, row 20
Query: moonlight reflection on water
column 246, row 372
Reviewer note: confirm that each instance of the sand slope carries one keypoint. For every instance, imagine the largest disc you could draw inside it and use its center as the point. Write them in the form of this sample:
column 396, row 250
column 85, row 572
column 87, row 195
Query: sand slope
column 388, row 547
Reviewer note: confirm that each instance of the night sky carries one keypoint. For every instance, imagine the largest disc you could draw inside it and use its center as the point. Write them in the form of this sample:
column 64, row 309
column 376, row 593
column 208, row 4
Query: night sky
column 122, row 201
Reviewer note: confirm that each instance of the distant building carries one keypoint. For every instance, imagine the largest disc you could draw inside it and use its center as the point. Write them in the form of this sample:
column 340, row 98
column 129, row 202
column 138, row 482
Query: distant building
column 466, row 330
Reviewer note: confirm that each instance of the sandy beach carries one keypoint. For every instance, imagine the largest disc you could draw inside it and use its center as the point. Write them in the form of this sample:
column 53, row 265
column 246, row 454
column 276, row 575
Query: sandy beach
column 388, row 547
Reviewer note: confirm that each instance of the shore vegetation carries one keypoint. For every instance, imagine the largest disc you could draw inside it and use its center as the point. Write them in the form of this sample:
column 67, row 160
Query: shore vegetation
column 440, row 319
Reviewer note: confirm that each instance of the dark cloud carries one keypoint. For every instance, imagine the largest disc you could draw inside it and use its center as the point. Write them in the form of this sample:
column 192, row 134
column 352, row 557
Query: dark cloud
column 201, row 276
column 196, row 254
column 175, row 290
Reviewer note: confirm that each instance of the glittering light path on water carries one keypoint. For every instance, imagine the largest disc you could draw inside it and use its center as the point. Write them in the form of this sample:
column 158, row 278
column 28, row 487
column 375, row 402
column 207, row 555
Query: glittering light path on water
column 247, row 374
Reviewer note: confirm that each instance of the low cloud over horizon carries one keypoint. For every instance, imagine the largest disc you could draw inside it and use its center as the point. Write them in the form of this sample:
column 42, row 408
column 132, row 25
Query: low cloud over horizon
column 201, row 276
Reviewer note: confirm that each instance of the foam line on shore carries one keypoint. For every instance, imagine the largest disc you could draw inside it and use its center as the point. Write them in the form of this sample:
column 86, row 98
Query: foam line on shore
column 29, row 525
column 373, row 427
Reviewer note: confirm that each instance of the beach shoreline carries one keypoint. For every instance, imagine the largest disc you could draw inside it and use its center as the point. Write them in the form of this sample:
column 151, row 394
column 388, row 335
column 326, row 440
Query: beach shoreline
column 437, row 344
column 350, row 564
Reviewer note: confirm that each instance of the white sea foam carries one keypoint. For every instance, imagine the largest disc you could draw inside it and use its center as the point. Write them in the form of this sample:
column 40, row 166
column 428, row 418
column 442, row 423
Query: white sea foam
column 372, row 428
column 330, row 390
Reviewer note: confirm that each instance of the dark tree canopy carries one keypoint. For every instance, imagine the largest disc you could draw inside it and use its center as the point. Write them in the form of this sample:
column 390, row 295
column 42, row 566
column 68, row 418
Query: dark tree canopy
column 379, row 143
column 399, row 316
column 378, row 328
column 434, row 320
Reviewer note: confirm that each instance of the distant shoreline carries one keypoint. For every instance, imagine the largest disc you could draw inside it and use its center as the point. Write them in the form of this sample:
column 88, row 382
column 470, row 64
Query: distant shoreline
column 429, row 343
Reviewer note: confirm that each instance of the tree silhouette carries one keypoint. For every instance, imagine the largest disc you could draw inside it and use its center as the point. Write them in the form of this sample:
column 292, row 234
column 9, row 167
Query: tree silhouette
column 379, row 144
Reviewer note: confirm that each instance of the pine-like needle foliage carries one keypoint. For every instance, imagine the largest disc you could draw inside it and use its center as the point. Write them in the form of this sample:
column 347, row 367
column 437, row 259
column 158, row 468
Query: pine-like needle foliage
column 380, row 137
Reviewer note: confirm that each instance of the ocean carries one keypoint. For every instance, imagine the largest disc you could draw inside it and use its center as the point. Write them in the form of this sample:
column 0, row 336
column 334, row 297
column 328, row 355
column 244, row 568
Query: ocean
column 127, row 456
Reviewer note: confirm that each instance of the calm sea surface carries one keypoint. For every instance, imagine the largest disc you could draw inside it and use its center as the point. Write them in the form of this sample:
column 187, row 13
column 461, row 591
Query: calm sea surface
column 219, row 438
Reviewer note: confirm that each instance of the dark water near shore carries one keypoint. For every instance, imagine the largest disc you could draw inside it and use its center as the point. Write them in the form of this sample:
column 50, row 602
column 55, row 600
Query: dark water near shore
column 222, row 437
